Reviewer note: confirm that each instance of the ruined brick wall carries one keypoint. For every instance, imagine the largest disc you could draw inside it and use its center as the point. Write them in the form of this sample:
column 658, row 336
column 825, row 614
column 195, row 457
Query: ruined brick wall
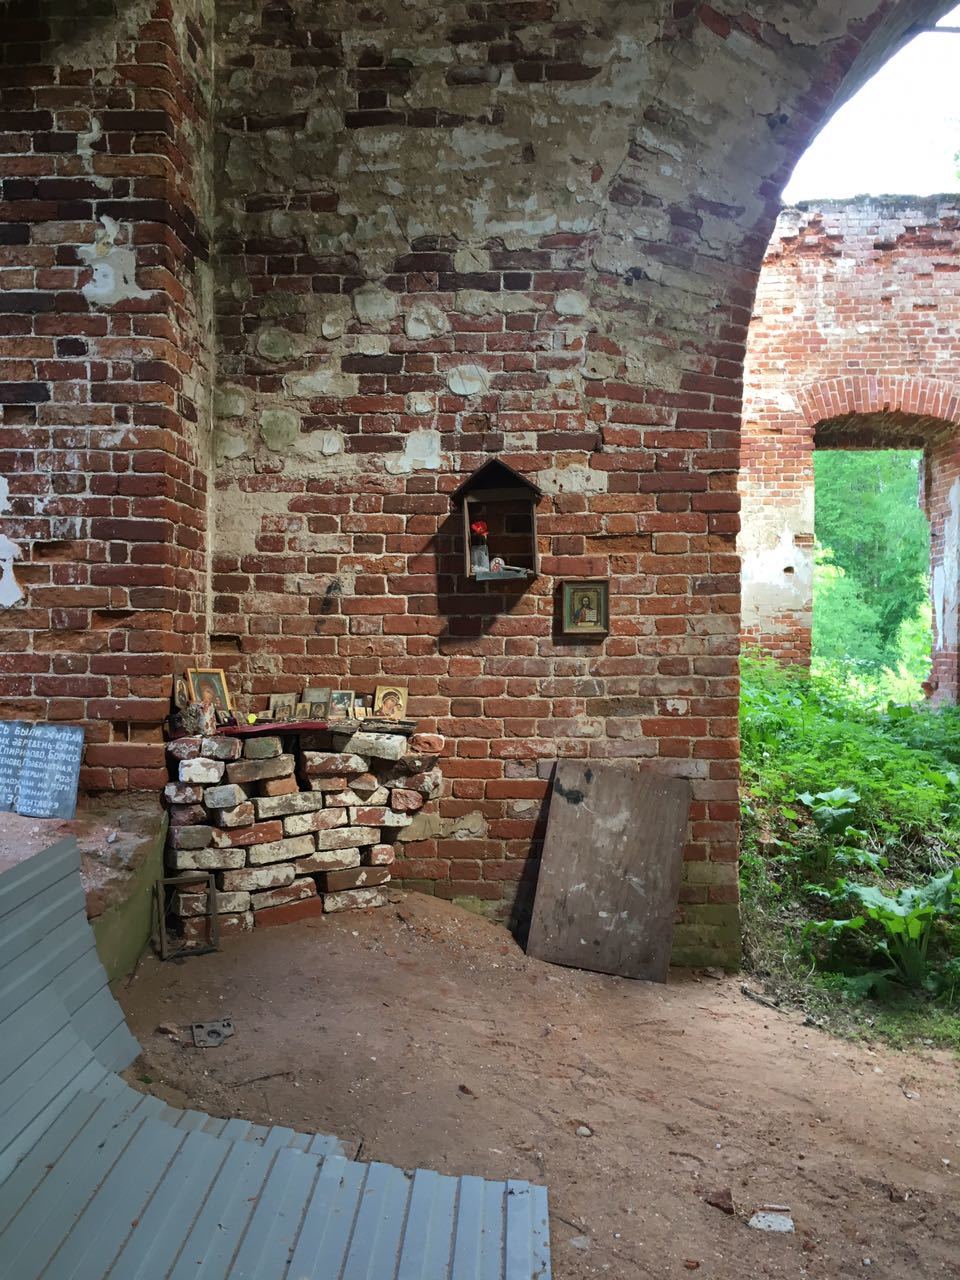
column 522, row 228
column 104, row 369
column 451, row 232
column 854, row 343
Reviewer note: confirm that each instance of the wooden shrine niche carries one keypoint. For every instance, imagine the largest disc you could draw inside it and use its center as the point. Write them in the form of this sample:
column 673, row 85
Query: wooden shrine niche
column 499, row 508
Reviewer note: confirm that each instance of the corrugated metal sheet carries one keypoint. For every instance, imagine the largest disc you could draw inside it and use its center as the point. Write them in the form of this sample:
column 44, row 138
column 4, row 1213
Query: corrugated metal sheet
column 100, row 1182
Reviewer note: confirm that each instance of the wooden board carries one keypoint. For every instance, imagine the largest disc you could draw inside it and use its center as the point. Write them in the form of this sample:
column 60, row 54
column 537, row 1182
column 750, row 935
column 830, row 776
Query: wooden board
column 610, row 874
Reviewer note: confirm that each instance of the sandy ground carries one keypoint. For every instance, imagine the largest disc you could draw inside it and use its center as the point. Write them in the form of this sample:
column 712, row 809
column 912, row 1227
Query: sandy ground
column 114, row 833
column 425, row 1034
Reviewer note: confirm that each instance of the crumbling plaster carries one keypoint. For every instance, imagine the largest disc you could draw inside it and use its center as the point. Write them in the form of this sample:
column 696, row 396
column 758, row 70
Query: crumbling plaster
column 609, row 155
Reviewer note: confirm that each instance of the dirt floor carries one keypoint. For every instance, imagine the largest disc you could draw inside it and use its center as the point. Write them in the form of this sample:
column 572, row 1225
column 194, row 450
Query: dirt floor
column 425, row 1034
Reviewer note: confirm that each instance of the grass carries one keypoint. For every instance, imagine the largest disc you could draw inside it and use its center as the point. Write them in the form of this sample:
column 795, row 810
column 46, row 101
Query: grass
column 809, row 734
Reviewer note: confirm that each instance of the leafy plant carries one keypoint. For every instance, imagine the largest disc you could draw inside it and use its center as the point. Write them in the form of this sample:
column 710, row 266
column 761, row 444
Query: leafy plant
column 831, row 810
column 907, row 920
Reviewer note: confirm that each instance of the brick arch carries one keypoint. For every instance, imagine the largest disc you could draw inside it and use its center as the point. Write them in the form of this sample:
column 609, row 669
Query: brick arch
column 915, row 407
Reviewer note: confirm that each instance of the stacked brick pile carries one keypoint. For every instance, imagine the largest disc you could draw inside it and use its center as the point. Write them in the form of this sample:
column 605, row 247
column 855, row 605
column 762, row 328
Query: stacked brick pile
column 291, row 834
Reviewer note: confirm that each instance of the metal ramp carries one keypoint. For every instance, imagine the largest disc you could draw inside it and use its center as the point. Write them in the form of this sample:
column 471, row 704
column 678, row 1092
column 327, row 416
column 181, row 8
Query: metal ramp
column 100, row 1181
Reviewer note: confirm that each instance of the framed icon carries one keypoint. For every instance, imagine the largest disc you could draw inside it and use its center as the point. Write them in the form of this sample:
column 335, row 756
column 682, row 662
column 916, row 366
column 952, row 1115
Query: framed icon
column 586, row 607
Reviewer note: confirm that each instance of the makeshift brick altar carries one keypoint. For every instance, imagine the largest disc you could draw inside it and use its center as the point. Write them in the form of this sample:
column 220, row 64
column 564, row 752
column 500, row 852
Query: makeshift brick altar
column 292, row 824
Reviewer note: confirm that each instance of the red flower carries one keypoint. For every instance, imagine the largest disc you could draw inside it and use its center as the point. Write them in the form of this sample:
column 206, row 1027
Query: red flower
column 479, row 528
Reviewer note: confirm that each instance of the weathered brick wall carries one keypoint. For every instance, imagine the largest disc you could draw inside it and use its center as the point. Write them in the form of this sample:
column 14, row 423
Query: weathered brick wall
column 854, row 343
column 443, row 232
column 103, row 369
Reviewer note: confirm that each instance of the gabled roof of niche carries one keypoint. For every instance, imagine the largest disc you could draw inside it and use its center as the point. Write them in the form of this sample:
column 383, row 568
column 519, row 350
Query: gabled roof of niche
column 494, row 475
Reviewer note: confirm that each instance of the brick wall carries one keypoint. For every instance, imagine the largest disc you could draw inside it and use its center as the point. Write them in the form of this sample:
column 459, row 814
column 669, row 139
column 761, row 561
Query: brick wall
column 441, row 233
column 854, row 343
column 102, row 368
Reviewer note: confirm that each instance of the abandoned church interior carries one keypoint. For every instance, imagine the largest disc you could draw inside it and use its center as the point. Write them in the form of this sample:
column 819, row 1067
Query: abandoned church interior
column 380, row 385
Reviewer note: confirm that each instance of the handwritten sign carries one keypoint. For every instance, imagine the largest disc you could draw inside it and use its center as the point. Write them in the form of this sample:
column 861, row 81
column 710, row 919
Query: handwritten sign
column 39, row 768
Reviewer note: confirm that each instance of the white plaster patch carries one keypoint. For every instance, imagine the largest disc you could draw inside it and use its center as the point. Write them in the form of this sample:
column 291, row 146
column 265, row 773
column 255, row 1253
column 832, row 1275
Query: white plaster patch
column 275, row 343
column 326, row 381
column 370, row 344
column 421, row 452
column 477, row 303
column 420, row 403
column 787, row 402
column 471, row 260
column 468, row 380
column 577, row 478
column 228, row 445
column 4, row 495
column 425, row 320
column 374, row 305
column 777, row 574
column 10, row 589
column 570, row 302
column 279, row 429
column 229, row 402
column 114, row 268
column 87, row 137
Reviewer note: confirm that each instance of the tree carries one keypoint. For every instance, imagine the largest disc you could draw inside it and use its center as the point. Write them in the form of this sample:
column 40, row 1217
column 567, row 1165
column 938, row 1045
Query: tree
column 868, row 515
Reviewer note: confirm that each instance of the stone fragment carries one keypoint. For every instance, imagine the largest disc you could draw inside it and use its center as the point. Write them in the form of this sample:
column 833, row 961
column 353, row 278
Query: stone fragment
column 298, row 824
column 406, row 801
column 266, row 748
column 365, row 784
column 226, row 797
column 184, row 748
column 195, row 904
column 221, row 748
column 342, row 799
column 290, row 912
column 429, row 784
column 278, row 786
column 182, row 793
column 570, row 302
column 241, row 816
column 399, row 773
column 425, row 320
column 430, row 744
column 292, row 892
column 278, row 850
column 253, row 878
column 344, row 837
column 379, row 816
column 327, row 860
column 375, row 305
column 201, row 770
column 189, row 837
column 381, row 746
column 280, row 806
column 187, row 815
column 335, row 881
column 468, row 380
column 353, row 899
column 198, row 930
column 259, row 770
column 210, row 859
column 316, row 764
column 381, row 855
column 260, row 833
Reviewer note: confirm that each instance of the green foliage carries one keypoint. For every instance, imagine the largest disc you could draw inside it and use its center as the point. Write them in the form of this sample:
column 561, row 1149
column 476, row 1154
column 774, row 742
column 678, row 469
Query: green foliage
column 846, row 628
column 906, row 921
column 851, row 835
column 873, row 579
